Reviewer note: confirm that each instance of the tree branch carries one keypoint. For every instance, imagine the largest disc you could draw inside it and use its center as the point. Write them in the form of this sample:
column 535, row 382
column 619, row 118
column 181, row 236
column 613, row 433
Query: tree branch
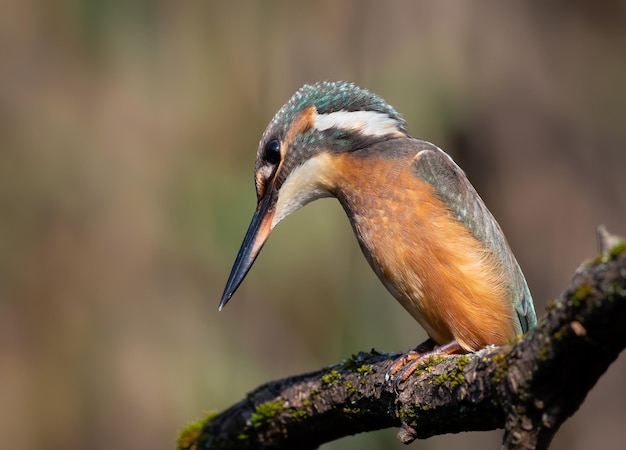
column 529, row 387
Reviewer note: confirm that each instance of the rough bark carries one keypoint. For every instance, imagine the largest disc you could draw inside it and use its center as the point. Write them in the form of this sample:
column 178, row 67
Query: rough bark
column 529, row 387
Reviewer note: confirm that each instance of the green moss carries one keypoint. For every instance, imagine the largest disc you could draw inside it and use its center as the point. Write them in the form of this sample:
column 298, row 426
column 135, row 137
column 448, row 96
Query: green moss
column 499, row 359
column 617, row 249
column 412, row 412
column 458, row 379
column 364, row 368
column 298, row 414
column 306, row 402
column 500, row 373
column 265, row 412
column 434, row 360
column 543, row 354
column 441, row 379
column 350, row 386
column 243, row 436
column 330, row 377
column 457, row 376
column 559, row 334
column 352, row 363
column 613, row 253
column 461, row 362
column 581, row 293
column 501, row 367
column 356, row 411
column 427, row 365
column 407, row 413
column 188, row 436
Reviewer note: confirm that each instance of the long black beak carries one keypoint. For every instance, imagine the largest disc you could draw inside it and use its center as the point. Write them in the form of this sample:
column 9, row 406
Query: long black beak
column 258, row 232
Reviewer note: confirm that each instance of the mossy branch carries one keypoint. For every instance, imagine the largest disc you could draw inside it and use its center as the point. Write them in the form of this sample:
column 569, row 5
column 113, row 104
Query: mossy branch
column 529, row 387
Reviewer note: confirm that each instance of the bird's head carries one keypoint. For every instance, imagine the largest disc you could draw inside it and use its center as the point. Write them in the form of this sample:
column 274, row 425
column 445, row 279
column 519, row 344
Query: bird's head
column 295, row 156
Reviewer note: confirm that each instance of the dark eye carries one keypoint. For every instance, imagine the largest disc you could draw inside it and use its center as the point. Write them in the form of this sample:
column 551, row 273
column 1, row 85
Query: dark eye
column 272, row 151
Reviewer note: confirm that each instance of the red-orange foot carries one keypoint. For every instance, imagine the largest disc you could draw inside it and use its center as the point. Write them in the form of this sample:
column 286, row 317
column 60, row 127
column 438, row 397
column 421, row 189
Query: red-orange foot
column 412, row 355
column 404, row 367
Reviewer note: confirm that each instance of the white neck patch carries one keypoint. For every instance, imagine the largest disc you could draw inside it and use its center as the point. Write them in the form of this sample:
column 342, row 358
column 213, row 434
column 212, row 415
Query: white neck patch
column 308, row 182
column 370, row 123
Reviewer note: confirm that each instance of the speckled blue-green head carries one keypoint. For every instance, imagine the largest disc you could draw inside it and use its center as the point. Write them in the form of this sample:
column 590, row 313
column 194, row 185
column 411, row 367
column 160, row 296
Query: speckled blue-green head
column 326, row 116
column 329, row 97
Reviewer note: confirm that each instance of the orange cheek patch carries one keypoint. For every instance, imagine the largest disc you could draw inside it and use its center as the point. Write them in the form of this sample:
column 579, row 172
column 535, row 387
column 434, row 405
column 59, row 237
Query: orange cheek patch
column 299, row 125
column 260, row 184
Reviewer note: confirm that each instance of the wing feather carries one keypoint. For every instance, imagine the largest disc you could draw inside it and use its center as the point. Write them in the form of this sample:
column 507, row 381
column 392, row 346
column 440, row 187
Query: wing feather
column 454, row 189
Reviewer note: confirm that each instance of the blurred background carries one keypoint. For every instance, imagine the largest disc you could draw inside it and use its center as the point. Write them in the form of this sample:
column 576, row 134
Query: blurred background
column 128, row 132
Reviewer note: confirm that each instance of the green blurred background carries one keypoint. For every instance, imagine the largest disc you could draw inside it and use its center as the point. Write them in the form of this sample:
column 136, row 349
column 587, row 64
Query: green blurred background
column 128, row 132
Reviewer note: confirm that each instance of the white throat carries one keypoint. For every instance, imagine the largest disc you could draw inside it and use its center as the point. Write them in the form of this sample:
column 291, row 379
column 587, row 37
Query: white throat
column 304, row 184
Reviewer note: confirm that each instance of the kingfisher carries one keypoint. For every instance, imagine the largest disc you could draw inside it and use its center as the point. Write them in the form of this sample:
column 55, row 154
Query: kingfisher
column 420, row 223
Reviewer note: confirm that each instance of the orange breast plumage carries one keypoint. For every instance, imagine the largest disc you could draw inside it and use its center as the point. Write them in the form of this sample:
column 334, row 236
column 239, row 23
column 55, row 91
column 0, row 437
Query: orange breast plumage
column 429, row 261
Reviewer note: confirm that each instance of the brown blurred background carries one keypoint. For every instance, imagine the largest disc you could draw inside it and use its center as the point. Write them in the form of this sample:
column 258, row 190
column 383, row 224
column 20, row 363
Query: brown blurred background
column 128, row 131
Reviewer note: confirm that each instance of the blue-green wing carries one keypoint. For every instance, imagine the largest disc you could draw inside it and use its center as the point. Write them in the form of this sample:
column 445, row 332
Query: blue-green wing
column 453, row 188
